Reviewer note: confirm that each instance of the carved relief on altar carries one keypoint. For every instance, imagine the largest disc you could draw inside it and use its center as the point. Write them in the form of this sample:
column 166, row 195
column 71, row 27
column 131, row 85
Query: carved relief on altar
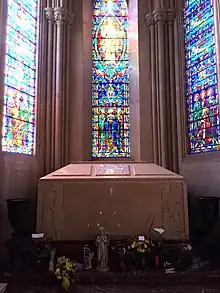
column 174, row 208
column 50, row 210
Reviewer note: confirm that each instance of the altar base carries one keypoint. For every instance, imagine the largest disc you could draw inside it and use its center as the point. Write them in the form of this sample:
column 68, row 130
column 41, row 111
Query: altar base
column 126, row 198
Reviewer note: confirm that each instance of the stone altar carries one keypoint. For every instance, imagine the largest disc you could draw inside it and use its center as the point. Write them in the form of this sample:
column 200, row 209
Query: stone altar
column 127, row 198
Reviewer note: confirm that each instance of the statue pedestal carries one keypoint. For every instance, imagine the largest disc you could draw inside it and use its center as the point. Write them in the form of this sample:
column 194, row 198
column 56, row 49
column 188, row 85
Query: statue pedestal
column 127, row 198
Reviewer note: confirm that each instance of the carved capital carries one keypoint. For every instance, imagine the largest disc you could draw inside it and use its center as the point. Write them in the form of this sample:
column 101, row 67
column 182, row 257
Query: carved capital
column 60, row 15
column 149, row 18
column 70, row 18
column 160, row 15
column 171, row 14
column 49, row 13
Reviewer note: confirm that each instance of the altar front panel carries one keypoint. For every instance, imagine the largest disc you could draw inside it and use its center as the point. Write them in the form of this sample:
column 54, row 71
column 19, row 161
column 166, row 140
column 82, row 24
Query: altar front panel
column 72, row 209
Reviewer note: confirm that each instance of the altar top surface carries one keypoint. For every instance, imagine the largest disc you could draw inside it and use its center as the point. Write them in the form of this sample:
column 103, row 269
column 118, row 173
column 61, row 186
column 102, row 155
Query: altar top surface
column 111, row 170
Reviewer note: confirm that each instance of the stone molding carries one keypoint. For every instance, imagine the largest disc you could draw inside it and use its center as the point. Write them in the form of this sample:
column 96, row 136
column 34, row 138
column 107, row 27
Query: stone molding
column 59, row 15
column 160, row 15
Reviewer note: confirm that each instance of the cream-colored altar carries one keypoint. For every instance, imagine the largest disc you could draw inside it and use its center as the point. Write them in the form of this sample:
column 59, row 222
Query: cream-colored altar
column 126, row 198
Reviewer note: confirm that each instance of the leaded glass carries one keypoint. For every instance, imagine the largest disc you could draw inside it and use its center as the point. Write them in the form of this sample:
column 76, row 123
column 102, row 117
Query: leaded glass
column 20, row 77
column 110, row 80
column 201, row 76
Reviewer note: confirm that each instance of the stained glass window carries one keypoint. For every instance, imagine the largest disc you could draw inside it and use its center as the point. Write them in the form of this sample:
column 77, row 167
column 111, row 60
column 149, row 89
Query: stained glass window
column 20, row 75
column 110, row 80
column 201, row 77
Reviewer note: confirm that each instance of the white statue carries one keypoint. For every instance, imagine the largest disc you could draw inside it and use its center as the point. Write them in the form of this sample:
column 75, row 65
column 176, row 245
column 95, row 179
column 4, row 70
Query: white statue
column 88, row 256
column 102, row 243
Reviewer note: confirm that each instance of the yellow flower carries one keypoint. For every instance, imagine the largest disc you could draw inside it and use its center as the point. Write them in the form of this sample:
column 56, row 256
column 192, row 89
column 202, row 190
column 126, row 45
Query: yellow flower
column 134, row 244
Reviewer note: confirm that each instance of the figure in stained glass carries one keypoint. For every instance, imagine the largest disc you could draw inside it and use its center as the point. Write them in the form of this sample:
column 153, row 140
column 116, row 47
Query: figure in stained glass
column 201, row 76
column 20, row 77
column 110, row 80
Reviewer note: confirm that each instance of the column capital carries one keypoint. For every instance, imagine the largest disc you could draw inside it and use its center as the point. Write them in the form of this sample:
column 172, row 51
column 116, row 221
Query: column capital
column 60, row 15
column 149, row 18
column 49, row 13
column 160, row 15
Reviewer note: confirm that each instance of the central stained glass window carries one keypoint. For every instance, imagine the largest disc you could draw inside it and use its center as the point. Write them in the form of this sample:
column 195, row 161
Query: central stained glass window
column 110, row 80
column 201, row 76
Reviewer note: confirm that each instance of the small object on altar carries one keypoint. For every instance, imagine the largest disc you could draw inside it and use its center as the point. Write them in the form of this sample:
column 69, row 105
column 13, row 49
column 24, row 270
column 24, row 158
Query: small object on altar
column 37, row 236
column 141, row 238
column 102, row 243
column 168, row 268
column 52, row 260
column 88, row 256
column 159, row 231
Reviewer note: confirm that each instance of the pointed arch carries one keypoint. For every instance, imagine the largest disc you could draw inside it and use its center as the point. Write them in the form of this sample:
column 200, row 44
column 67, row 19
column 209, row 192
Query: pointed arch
column 110, row 80
column 201, row 76
column 20, row 77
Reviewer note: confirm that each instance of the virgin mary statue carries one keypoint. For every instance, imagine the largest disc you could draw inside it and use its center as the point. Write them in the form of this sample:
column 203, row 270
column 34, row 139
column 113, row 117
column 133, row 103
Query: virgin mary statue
column 102, row 243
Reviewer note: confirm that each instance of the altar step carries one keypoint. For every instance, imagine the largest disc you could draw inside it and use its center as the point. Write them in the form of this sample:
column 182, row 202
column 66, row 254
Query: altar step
column 155, row 279
column 158, row 279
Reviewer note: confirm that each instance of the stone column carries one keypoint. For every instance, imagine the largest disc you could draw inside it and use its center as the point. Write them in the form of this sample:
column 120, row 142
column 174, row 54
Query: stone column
column 182, row 136
column 67, row 89
column 54, row 84
column 163, row 91
column 172, row 94
column 150, row 21
column 60, row 15
column 49, row 13
column 159, row 17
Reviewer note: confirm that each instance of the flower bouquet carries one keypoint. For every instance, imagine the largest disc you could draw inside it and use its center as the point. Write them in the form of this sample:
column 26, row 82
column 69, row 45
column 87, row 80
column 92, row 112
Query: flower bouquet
column 65, row 271
column 141, row 247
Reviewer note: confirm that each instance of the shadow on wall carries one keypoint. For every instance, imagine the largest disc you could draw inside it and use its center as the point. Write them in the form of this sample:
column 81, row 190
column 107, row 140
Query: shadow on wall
column 202, row 173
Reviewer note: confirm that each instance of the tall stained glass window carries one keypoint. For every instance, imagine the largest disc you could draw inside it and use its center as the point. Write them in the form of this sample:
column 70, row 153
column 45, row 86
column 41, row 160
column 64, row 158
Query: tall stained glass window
column 20, row 75
column 110, row 80
column 201, row 76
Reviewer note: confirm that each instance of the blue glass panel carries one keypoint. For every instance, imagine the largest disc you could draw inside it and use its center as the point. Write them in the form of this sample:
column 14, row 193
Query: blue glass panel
column 201, row 77
column 20, row 77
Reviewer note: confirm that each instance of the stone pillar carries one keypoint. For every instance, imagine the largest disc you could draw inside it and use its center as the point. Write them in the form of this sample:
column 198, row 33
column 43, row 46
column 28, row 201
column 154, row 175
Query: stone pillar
column 164, row 118
column 172, row 92
column 159, row 18
column 54, row 84
column 60, row 15
column 150, row 21
column 49, row 78
column 181, row 108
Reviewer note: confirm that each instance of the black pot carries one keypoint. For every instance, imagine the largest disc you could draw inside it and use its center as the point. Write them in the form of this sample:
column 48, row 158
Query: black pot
column 18, row 214
column 208, row 208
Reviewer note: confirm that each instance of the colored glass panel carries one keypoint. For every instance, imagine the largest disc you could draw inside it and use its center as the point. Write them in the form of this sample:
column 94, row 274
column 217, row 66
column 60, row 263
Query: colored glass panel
column 20, row 77
column 110, row 80
column 201, row 76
